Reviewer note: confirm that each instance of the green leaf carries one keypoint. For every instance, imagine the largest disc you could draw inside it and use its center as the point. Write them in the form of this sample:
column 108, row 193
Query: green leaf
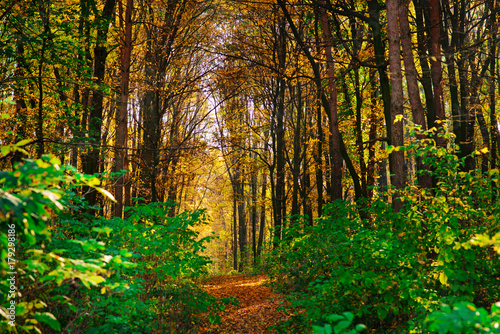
column 382, row 313
column 341, row 326
column 335, row 318
column 49, row 319
column 6, row 150
column 349, row 316
column 360, row 327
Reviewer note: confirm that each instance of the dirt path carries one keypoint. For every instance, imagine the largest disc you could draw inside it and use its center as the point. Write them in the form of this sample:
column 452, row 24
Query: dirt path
column 257, row 309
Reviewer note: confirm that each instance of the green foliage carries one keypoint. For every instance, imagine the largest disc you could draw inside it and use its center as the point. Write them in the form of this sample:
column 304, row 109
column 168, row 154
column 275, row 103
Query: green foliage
column 341, row 324
column 464, row 318
column 30, row 196
column 78, row 273
column 392, row 269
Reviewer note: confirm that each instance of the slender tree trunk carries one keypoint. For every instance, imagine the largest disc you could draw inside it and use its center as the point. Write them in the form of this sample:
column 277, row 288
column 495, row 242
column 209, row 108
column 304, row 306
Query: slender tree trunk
column 279, row 133
column 242, row 226
column 297, row 153
column 254, row 214
column 96, row 109
column 424, row 179
column 306, row 178
column 396, row 158
column 379, row 48
column 235, row 231
column 262, row 214
column 359, row 133
column 492, row 96
column 421, row 7
column 122, row 115
column 318, row 157
column 336, row 155
column 450, row 48
column 435, row 57
column 44, row 13
column 21, row 107
column 372, row 136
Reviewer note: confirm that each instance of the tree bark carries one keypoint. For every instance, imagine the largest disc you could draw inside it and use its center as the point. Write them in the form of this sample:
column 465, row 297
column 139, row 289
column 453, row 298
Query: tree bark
column 96, row 108
column 435, row 56
column 262, row 224
column 296, row 152
column 122, row 116
column 379, row 48
column 424, row 178
column 336, row 155
column 396, row 157
column 421, row 9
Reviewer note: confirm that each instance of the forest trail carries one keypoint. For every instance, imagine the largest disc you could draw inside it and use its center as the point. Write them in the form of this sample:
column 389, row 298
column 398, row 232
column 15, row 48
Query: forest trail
column 257, row 309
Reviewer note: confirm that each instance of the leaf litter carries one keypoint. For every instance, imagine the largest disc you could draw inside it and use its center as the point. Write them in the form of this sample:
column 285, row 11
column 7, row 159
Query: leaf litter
column 257, row 307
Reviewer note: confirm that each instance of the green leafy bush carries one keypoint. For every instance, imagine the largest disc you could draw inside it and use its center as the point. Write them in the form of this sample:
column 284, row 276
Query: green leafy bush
column 392, row 269
column 30, row 197
column 341, row 325
column 83, row 274
column 464, row 318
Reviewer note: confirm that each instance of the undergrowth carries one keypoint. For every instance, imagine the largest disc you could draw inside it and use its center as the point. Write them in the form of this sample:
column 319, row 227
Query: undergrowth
column 400, row 271
column 77, row 273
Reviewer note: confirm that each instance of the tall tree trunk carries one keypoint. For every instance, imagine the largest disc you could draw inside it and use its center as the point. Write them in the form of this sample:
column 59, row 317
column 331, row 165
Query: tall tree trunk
column 235, row 231
column 96, row 108
column 379, row 48
column 359, row 133
column 424, row 179
column 306, row 178
column 296, row 152
column 421, row 9
column 242, row 226
column 372, row 136
column 122, row 115
column 396, row 157
column 262, row 214
column 435, row 56
column 450, row 48
column 279, row 134
column 44, row 14
column 318, row 156
column 21, row 107
column 253, row 217
column 492, row 96
column 336, row 155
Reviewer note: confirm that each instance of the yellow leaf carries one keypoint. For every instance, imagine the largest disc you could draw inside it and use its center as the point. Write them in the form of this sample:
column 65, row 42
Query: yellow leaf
column 103, row 290
column 470, row 307
column 24, row 142
column 96, row 279
column 443, row 278
column 94, row 182
column 106, row 193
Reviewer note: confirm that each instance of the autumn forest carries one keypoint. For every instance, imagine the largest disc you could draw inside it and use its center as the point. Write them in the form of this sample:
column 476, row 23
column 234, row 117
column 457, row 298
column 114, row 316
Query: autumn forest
column 343, row 152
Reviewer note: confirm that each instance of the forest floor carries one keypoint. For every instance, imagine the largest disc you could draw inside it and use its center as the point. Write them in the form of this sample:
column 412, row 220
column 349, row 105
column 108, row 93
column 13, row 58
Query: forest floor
column 257, row 308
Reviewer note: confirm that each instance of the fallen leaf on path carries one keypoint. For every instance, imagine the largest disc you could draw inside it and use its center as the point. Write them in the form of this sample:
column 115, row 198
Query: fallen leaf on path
column 257, row 309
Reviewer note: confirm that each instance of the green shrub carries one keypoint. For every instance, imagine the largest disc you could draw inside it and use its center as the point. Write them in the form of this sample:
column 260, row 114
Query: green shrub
column 83, row 274
column 392, row 269
column 30, row 197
